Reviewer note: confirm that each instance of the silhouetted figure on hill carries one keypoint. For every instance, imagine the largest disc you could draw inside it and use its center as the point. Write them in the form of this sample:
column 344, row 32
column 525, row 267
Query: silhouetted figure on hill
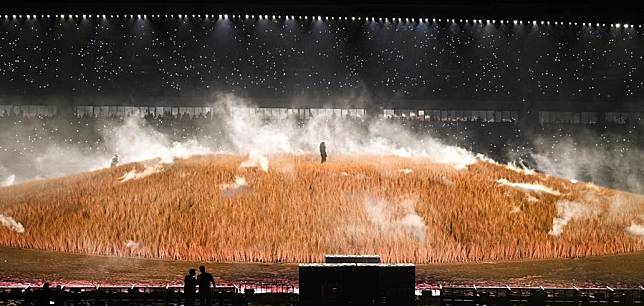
column 204, row 280
column 115, row 160
column 323, row 151
column 190, row 287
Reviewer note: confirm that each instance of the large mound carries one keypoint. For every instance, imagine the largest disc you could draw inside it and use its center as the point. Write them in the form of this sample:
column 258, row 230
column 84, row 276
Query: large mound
column 291, row 208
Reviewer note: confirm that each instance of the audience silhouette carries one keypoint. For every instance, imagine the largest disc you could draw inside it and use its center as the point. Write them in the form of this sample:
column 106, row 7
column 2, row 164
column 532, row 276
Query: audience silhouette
column 204, row 280
column 190, row 287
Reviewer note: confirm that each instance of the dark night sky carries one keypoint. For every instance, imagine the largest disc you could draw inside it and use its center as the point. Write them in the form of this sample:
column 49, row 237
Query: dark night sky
column 275, row 58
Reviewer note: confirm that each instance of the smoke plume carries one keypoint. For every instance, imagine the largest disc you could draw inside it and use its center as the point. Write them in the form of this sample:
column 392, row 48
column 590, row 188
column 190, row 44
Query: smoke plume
column 11, row 224
column 568, row 211
column 527, row 187
column 255, row 160
column 147, row 171
column 396, row 220
column 231, row 189
column 635, row 229
column 590, row 159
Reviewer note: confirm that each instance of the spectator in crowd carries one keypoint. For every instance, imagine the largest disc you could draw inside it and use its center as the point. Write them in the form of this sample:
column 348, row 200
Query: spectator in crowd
column 204, row 280
column 190, row 287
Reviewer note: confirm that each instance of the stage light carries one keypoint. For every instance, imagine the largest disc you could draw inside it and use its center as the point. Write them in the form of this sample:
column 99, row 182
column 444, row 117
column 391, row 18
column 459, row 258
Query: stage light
column 138, row 16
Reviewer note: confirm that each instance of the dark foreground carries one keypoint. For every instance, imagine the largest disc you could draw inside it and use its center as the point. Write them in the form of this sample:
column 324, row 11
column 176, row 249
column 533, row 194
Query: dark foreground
column 232, row 297
column 22, row 267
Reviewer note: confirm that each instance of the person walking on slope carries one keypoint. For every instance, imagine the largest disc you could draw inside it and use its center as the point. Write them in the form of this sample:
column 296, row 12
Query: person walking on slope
column 323, row 152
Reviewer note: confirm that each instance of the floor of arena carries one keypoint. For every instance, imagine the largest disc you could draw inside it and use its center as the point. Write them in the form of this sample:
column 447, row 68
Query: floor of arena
column 22, row 267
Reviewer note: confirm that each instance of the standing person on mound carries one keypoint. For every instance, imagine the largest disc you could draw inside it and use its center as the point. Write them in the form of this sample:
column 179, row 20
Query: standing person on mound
column 204, row 280
column 115, row 160
column 323, row 152
column 190, row 287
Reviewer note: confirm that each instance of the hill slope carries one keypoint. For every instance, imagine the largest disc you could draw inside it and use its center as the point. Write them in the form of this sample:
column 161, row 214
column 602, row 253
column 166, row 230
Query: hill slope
column 289, row 208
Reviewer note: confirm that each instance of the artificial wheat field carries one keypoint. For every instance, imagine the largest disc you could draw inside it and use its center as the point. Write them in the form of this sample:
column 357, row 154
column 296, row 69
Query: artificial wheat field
column 208, row 208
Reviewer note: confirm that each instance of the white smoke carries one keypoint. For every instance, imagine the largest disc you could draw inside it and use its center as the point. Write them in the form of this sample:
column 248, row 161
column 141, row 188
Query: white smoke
column 249, row 133
column 570, row 210
column 405, row 171
column 520, row 168
column 396, row 221
column 486, row 159
column 148, row 170
column 255, row 159
column 446, row 181
column 10, row 180
column 132, row 245
column 635, row 229
column 590, row 159
column 230, row 189
column 134, row 141
column 531, row 199
column 11, row 224
column 527, row 187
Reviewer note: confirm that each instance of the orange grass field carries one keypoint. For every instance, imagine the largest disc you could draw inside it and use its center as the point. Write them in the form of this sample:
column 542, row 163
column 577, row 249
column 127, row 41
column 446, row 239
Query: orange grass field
column 299, row 210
